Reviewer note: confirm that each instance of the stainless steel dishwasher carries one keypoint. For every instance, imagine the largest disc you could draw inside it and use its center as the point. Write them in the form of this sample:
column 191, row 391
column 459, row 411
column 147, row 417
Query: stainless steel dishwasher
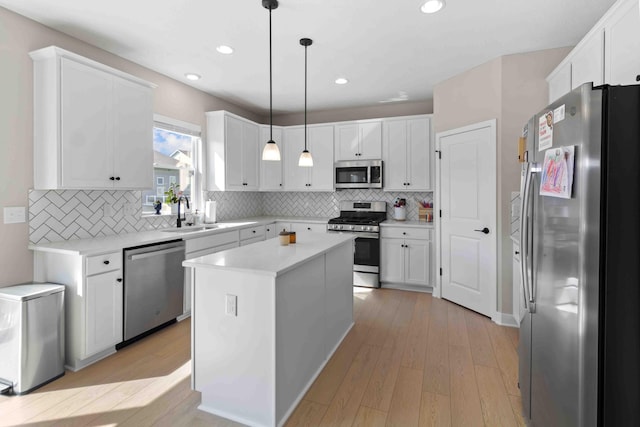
column 153, row 286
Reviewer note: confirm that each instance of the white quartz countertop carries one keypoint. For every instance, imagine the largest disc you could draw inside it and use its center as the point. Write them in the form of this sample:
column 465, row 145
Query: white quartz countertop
column 106, row 244
column 414, row 224
column 269, row 257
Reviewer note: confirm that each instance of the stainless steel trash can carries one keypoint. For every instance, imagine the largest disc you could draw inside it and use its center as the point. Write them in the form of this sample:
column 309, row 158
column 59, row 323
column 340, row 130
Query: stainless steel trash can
column 31, row 335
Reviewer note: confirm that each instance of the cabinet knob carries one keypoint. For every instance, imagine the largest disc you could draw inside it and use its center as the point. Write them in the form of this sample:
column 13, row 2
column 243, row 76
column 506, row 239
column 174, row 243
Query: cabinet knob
column 117, row 178
column 404, row 233
column 119, row 280
column 281, row 185
column 309, row 228
column 517, row 252
column 112, row 178
column 253, row 231
column 638, row 78
column 106, row 262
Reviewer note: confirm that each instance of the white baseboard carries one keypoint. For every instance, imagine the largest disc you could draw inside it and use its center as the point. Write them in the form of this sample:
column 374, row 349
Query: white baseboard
column 505, row 319
column 405, row 287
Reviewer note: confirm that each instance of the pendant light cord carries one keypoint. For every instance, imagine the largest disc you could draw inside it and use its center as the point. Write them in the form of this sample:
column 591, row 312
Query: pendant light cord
column 271, row 83
column 305, row 98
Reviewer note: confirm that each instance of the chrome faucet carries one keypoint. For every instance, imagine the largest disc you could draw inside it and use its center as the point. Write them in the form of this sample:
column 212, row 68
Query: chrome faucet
column 179, row 221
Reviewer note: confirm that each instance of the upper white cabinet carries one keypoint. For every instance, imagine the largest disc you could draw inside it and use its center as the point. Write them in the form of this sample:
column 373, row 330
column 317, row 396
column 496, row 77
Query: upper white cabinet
column 232, row 152
column 559, row 81
column 622, row 48
column 320, row 145
column 407, row 154
column 587, row 61
column 359, row 140
column 607, row 54
column 93, row 125
column 271, row 172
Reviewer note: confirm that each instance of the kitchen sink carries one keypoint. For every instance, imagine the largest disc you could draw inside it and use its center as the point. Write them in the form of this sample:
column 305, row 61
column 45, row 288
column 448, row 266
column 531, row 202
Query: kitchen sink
column 189, row 229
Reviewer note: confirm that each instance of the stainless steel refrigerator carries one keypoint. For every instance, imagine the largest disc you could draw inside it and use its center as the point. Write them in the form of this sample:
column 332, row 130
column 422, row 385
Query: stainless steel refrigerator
column 579, row 346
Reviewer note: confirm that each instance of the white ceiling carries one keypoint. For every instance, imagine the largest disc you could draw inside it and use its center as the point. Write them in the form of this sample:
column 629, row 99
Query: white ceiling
column 384, row 48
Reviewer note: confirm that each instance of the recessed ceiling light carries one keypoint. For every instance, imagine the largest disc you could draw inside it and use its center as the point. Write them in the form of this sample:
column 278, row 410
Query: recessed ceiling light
column 192, row 76
column 432, row 6
column 225, row 50
column 341, row 81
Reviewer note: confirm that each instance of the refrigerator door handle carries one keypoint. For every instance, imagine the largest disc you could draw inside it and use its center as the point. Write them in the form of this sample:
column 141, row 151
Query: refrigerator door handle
column 524, row 241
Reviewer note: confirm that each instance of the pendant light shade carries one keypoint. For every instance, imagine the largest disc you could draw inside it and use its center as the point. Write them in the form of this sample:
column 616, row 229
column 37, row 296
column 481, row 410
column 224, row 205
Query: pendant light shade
column 305, row 157
column 270, row 151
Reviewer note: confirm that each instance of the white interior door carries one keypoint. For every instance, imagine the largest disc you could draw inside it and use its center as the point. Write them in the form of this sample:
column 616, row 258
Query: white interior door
column 468, row 221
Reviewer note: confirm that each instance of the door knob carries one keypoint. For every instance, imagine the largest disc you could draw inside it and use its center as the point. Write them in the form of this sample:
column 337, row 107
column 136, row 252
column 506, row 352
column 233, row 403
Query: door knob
column 484, row 230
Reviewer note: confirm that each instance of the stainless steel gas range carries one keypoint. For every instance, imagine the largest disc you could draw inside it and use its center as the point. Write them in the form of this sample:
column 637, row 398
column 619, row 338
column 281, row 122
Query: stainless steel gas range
column 362, row 218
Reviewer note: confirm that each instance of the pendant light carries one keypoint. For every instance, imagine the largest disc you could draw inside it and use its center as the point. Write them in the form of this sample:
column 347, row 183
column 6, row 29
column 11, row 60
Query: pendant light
column 270, row 151
column 305, row 157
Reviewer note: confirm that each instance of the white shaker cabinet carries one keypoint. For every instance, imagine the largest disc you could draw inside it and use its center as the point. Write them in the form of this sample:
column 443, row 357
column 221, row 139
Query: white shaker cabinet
column 271, row 172
column 104, row 311
column 93, row 302
column 232, row 152
column 608, row 54
column 405, row 254
column 559, row 81
column 622, row 45
column 92, row 124
column 358, row 140
column 320, row 145
column 587, row 61
column 407, row 149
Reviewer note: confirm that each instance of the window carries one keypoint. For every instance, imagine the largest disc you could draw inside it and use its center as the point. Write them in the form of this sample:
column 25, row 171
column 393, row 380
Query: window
column 176, row 162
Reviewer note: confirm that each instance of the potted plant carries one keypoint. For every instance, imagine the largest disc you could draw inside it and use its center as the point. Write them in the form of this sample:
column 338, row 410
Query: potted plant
column 174, row 194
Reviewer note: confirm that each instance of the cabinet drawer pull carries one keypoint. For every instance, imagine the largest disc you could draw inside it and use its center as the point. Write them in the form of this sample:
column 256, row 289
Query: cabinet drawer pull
column 106, row 262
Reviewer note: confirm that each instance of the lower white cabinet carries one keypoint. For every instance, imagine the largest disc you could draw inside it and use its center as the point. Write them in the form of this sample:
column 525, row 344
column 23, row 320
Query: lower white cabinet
column 270, row 231
column 305, row 227
column 93, row 302
column 405, row 256
column 104, row 311
column 301, row 227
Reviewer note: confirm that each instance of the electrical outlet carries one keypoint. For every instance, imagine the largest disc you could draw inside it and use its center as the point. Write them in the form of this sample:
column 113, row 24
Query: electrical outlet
column 231, row 305
column 15, row 215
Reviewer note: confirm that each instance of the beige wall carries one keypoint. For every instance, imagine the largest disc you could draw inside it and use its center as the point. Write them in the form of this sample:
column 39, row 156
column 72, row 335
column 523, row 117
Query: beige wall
column 19, row 36
column 510, row 89
column 359, row 113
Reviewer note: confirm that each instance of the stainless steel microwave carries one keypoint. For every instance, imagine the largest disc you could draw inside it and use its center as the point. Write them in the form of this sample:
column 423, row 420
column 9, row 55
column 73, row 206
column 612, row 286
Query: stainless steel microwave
column 358, row 174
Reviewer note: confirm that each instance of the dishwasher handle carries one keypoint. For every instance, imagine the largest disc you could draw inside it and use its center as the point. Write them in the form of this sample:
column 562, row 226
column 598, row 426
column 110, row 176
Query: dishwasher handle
column 155, row 253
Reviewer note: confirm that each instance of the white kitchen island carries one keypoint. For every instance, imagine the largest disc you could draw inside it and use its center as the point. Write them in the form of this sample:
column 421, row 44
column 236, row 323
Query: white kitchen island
column 254, row 358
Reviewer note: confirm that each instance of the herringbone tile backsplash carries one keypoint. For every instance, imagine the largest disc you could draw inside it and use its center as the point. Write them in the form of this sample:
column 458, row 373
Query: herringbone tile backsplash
column 67, row 215
column 326, row 204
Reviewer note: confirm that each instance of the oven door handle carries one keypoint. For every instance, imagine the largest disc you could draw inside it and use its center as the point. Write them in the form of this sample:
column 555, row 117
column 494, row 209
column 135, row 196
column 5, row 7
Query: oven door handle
column 357, row 234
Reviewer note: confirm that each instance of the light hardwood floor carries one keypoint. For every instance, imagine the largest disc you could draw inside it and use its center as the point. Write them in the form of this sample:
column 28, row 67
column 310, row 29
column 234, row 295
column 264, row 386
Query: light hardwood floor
column 410, row 360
